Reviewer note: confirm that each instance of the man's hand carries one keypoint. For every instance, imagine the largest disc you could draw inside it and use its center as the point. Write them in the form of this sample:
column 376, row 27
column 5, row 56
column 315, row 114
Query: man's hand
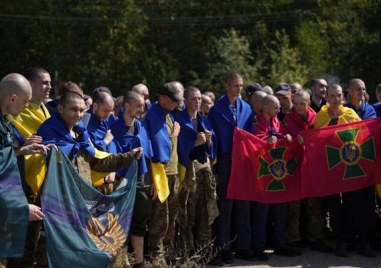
column 300, row 139
column 34, row 148
column 137, row 153
column 201, row 139
column 108, row 137
column 271, row 140
column 176, row 129
column 35, row 213
column 110, row 178
column 288, row 137
column 33, row 139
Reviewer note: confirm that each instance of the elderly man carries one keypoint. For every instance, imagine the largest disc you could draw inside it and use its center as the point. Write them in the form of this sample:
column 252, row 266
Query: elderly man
column 15, row 94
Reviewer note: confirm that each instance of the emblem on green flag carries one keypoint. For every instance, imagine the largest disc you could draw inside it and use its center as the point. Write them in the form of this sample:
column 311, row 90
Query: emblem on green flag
column 350, row 153
column 278, row 169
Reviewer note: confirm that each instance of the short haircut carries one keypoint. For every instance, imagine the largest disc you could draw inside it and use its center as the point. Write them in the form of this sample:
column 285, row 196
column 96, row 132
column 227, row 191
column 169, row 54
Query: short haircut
column 315, row 81
column 102, row 98
column 34, row 72
column 205, row 98
column 334, row 87
column 269, row 99
column 190, row 89
column 131, row 96
column 303, row 94
column 230, row 76
column 69, row 96
column 355, row 81
column 70, row 87
column 378, row 88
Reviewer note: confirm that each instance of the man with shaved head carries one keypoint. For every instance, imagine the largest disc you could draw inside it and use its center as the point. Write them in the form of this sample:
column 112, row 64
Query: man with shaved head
column 143, row 90
column 256, row 101
column 15, row 94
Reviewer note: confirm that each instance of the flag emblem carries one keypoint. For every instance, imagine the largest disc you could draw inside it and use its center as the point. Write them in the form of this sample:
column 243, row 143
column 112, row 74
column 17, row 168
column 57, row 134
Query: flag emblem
column 351, row 153
column 277, row 168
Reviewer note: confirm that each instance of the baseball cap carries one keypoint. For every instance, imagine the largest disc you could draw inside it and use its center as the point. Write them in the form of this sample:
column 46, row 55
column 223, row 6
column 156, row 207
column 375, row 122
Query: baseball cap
column 283, row 89
column 169, row 90
column 250, row 89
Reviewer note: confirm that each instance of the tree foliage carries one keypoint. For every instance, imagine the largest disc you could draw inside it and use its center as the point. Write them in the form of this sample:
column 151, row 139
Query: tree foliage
column 123, row 42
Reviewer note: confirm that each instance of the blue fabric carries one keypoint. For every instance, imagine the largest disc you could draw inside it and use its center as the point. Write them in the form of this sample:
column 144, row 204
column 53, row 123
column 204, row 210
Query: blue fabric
column 156, row 126
column 97, row 130
column 377, row 108
column 366, row 112
column 125, row 142
column 222, row 121
column 83, row 227
column 52, row 106
column 188, row 136
column 14, row 209
column 54, row 131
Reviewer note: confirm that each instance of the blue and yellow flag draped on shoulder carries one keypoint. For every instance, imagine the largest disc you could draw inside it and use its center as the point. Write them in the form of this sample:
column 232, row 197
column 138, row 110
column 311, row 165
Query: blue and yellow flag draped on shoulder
column 187, row 138
column 83, row 227
column 161, row 145
column 125, row 142
column 54, row 131
column 13, row 204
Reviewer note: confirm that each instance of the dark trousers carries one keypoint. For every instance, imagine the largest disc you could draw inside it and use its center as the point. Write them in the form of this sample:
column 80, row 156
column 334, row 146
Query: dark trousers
column 352, row 214
column 279, row 223
column 222, row 227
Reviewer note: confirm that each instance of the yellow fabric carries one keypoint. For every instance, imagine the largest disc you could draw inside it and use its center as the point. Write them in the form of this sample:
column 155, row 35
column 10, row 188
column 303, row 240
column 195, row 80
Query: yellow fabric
column 161, row 181
column 97, row 178
column 323, row 118
column 182, row 173
column 30, row 119
column 27, row 123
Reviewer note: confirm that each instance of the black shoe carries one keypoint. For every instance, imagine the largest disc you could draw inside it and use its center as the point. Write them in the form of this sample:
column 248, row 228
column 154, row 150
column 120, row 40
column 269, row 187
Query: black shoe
column 287, row 251
column 298, row 244
column 320, row 245
column 367, row 251
column 246, row 255
column 341, row 249
column 139, row 265
column 261, row 256
column 226, row 256
column 216, row 261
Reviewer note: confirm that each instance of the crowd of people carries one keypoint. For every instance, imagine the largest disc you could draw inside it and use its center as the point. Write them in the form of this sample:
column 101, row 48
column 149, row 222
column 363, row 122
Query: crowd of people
column 183, row 144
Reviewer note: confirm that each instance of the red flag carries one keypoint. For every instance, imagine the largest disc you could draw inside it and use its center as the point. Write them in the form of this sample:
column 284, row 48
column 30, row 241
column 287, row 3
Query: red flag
column 262, row 172
column 341, row 158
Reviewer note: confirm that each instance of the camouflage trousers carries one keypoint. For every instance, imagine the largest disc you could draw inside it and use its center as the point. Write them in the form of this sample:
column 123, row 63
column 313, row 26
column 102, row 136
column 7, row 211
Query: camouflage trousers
column 161, row 229
column 197, row 211
column 315, row 220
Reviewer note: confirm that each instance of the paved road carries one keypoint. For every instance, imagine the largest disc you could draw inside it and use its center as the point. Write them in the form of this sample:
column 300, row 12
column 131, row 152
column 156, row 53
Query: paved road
column 312, row 259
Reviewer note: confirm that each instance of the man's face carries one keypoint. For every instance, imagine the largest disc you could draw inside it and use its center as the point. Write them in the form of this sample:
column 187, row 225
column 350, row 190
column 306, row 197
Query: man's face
column 135, row 108
column 206, row 105
column 18, row 103
column 301, row 105
column 335, row 97
column 285, row 101
column 234, row 87
column 103, row 111
column 168, row 104
column 320, row 89
column 193, row 102
column 41, row 87
column 357, row 91
column 73, row 112
column 272, row 109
